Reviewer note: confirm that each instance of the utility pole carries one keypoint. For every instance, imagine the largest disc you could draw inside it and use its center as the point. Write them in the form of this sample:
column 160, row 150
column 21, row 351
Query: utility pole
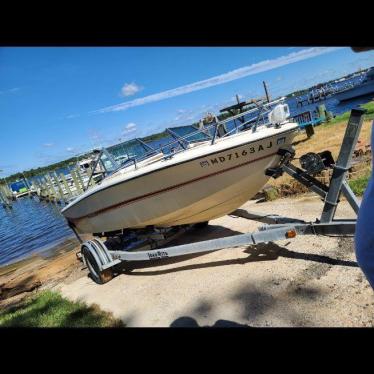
column 266, row 92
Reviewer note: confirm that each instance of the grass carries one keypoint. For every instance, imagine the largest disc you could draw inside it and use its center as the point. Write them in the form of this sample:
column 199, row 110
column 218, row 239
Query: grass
column 50, row 309
column 370, row 110
column 359, row 185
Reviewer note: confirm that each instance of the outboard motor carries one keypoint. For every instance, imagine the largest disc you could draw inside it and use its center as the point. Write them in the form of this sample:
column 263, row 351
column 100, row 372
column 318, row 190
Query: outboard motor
column 279, row 114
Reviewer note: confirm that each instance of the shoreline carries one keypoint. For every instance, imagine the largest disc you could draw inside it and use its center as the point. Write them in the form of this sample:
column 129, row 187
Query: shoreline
column 50, row 250
column 37, row 272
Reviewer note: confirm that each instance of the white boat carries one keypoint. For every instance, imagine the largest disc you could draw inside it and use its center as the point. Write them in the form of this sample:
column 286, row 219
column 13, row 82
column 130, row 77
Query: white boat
column 86, row 165
column 205, row 174
column 365, row 87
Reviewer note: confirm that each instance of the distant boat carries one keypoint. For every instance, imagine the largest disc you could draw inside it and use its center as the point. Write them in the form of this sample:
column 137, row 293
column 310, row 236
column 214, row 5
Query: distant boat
column 366, row 87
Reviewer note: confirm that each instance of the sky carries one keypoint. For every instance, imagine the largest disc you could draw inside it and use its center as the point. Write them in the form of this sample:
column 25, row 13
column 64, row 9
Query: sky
column 62, row 101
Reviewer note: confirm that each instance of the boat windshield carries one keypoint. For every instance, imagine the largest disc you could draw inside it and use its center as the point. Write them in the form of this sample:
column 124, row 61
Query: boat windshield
column 189, row 133
column 108, row 163
column 129, row 150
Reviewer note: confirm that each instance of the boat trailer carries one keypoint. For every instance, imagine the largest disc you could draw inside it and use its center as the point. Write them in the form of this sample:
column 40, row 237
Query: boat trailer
column 102, row 258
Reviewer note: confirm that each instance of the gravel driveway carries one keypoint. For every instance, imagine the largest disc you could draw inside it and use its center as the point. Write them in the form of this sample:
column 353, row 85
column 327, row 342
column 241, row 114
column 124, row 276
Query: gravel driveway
column 306, row 281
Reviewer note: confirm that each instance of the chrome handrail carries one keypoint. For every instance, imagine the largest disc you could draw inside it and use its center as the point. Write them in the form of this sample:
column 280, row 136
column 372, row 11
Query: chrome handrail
column 215, row 125
column 263, row 108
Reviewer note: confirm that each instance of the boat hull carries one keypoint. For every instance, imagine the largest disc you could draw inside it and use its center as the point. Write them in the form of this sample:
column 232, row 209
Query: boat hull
column 188, row 192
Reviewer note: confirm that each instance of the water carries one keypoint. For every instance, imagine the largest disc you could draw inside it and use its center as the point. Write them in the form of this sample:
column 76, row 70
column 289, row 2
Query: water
column 33, row 226
column 331, row 104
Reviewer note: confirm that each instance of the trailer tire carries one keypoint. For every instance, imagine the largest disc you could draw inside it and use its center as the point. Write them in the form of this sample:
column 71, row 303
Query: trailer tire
column 99, row 277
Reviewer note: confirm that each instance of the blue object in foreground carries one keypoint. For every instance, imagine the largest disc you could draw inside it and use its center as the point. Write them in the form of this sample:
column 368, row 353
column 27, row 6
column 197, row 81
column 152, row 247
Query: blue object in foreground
column 364, row 238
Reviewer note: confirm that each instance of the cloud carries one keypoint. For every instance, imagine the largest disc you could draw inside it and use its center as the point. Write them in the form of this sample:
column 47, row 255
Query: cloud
column 130, row 89
column 130, row 127
column 223, row 78
column 11, row 90
column 70, row 116
column 70, row 149
column 48, row 145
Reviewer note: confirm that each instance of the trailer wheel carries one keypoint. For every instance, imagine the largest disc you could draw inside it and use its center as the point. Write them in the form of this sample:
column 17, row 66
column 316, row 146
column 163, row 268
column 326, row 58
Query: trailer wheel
column 100, row 277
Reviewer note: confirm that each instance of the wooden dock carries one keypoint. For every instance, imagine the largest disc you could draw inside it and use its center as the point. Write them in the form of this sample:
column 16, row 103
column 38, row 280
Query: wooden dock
column 61, row 189
column 50, row 187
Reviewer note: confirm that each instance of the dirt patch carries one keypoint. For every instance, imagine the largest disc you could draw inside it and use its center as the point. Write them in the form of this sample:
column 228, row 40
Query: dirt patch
column 18, row 280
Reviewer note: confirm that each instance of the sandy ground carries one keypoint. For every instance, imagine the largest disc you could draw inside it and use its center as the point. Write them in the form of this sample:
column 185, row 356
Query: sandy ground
column 307, row 281
column 43, row 270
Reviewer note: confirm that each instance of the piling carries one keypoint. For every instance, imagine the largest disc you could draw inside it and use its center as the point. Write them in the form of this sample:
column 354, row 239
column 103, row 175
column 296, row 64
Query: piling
column 41, row 188
column 44, row 192
column 44, row 189
column 322, row 112
column 329, row 116
column 4, row 200
column 67, row 189
column 76, row 182
column 60, row 192
column 51, row 190
column 36, row 186
column 8, row 192
column 79, row 177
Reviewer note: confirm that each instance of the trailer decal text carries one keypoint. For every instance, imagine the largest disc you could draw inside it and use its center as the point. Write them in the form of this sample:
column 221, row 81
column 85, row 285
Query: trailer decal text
column 157, row 255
